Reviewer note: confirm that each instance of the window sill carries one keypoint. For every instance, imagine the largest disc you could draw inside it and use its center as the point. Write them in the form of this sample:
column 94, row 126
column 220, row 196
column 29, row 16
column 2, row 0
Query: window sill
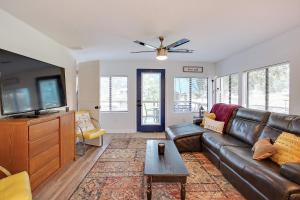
column 187, row 112
column 112, row 112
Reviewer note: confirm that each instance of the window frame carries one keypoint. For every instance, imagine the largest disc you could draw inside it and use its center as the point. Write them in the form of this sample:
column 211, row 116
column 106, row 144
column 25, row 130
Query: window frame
column 110, row 94
column 190, row 93
column 229, row 85
column 266, row 69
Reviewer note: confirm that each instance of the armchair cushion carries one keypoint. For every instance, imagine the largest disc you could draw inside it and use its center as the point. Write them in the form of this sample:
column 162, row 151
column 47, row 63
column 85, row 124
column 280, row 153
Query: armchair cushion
column 15, row 187
column 83, row 120
column 291, row 171
column 91, row 134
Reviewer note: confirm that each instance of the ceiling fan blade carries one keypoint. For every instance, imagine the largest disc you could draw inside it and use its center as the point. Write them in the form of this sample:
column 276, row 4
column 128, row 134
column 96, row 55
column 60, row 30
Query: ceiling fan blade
column 142, row 51
column 178, row 43
column 181, row 51
column 144, row 44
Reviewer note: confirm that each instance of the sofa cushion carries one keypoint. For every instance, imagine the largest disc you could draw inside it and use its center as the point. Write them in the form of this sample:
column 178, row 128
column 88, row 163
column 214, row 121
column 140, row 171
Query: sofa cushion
column 215, row 141
column 291, row 171
column 263, row 175
column 224, row 112
column 278, row 123
column 247, row 125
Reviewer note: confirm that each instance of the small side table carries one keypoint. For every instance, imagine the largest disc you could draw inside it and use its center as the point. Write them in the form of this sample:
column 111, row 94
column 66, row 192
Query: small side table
column 197, row 120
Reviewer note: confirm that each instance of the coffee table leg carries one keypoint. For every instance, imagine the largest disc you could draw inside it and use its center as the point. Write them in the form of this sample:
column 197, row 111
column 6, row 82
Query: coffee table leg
column 182, row 191
column 149, row 189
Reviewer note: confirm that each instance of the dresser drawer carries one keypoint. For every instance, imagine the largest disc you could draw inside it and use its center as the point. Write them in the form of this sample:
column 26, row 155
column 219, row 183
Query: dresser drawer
column 43, row 158
column 41, row 130
column 43, row 173
column 43, row 144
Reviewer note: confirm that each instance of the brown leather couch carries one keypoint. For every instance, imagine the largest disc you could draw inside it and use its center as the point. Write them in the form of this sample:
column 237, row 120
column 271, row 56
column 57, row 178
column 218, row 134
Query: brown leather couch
column 231, row 153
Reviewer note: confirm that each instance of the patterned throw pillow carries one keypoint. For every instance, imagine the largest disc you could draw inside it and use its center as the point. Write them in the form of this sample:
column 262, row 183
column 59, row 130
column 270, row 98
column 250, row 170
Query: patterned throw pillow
column 288, row 149
column 214, row 125
column 83, row 120
column 263, row 149
column 209, row 116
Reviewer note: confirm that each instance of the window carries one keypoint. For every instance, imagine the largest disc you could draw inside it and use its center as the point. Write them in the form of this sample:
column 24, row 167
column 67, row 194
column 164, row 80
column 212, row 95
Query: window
column 227, row 89
column 16, row 100
column 268, row 88
column 190, row 94
column 113, row 94
column 49, row 93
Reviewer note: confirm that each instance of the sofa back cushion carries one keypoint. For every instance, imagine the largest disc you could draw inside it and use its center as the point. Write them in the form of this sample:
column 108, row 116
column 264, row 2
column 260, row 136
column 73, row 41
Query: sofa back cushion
column 224, row 112
column 278, row 123
column 247, row 124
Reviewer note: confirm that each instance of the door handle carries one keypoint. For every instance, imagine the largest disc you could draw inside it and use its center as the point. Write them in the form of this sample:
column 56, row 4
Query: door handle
column 138, row 103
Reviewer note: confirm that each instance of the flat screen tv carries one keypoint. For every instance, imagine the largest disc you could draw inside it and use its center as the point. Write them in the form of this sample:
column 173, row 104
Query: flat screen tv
column 28, row 85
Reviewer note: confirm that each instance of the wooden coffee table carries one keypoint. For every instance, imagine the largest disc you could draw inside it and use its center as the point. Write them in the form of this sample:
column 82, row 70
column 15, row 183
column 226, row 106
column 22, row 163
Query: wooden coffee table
column 164, row 168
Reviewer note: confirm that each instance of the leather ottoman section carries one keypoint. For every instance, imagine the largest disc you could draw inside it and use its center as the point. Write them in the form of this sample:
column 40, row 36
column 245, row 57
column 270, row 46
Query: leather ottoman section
column 215, row 141
column 186, row 136
column 263, row 175
column 191, row 143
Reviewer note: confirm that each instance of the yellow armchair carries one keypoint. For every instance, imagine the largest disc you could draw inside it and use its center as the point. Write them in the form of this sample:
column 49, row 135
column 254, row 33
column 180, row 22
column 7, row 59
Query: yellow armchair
column 15, row 187
column 88, row 129
column 92, row 134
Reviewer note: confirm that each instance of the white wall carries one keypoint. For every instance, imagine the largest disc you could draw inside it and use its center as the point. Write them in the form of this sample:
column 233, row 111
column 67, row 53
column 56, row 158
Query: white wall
column 18, row 37
column 284, row 48
column 126, row 122
column 89, row 87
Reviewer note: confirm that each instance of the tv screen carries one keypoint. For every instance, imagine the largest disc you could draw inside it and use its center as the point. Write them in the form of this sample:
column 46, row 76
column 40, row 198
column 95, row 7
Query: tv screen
column 29, row 85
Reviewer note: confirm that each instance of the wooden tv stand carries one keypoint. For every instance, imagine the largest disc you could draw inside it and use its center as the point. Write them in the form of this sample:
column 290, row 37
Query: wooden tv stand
column 41, row 146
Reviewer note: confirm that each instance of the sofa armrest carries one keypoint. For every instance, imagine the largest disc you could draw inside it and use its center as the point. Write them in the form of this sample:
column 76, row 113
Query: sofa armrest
column 291, row 171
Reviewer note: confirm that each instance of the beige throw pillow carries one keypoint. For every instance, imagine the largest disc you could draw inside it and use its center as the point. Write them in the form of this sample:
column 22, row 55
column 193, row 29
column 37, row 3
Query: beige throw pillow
column 263, row 149
column 214, row 125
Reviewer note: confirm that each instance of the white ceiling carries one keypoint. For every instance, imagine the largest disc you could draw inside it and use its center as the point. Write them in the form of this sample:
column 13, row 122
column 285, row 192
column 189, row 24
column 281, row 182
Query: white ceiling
column 105, row 29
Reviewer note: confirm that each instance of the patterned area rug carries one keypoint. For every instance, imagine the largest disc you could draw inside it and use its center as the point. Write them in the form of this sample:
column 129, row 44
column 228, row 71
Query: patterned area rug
column 118, row 175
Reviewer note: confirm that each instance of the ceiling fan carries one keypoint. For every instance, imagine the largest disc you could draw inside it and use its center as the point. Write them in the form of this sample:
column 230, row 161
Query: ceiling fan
column 161, row 51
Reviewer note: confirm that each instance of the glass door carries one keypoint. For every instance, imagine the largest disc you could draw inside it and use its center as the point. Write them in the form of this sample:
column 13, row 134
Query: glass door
column 150, row 100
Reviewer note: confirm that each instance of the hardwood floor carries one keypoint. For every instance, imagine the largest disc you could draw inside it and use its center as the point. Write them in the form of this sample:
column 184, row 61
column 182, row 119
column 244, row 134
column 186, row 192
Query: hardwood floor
column 62, row 185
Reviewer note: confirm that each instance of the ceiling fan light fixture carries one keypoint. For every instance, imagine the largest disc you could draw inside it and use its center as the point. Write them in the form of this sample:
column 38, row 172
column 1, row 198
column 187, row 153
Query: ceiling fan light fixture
column 161, row 54
column 162, row 50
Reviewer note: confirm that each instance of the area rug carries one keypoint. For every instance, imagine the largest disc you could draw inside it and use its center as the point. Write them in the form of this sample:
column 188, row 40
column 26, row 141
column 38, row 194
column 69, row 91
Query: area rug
column 118, row 175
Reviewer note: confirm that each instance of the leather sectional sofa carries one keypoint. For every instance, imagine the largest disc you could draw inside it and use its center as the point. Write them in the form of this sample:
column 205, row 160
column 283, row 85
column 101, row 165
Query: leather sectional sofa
column 231, row 152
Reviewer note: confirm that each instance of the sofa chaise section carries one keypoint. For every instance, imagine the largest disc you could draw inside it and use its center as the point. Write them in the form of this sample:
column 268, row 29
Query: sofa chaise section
column 186, row 136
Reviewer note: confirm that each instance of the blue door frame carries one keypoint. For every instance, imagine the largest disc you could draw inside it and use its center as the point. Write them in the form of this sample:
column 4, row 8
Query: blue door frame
column 140, row 126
